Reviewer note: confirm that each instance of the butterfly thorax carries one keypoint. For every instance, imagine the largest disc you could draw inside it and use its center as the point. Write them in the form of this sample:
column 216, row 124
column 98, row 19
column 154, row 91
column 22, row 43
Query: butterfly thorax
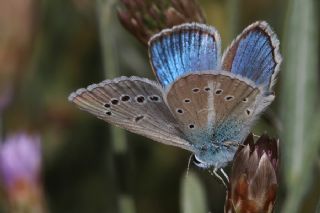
column 218, row 147
column 216, row 156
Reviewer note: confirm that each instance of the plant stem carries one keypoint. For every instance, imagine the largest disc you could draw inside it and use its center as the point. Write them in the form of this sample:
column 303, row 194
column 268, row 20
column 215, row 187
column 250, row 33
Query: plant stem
column 298, row 101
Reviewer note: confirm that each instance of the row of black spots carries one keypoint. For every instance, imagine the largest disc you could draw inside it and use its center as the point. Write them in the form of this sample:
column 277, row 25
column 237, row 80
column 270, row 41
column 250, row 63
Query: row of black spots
column 207, row 89
column 217, row 92
column 248, row 112
column 136, row 119
column 113, row 101
column 139, row 99
column 153, row 98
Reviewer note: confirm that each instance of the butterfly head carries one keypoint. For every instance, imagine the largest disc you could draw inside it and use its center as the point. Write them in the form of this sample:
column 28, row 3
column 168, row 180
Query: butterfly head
column 198, row 162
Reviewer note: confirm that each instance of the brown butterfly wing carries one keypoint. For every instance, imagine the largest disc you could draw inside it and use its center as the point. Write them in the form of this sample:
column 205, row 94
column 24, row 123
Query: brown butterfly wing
column 135, row 104
column 205, row 103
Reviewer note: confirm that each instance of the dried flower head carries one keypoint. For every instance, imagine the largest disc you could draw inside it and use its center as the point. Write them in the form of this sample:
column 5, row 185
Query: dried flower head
column 253, row 181
column 145, row 18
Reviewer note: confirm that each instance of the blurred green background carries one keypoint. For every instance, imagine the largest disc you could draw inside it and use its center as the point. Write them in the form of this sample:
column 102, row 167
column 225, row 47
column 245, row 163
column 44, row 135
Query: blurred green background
column 50, row 48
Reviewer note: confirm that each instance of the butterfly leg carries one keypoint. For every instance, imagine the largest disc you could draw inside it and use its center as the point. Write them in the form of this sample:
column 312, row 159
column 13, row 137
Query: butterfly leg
column 224, row 174
column 219, row 177
column 256, row 136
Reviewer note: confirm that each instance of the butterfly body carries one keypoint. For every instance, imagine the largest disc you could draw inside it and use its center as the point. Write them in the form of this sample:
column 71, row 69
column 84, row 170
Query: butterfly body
column 201, row 104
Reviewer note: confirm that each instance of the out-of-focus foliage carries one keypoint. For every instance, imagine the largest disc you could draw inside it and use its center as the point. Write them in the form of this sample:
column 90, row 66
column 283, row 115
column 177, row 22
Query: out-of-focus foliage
column 50, row 48
column 300, row 101
column 18, row 28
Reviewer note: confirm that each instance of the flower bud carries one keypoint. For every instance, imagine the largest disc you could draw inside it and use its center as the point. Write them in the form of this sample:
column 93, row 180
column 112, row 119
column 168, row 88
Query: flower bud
column 145, row 18
column 253, row 181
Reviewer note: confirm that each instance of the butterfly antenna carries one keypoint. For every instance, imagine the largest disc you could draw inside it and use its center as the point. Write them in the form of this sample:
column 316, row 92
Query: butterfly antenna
column 189, row 162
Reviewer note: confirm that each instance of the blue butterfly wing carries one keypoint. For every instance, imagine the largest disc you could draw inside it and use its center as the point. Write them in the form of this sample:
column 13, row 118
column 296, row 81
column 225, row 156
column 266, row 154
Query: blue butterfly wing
column 254, row 54
column 183, row 49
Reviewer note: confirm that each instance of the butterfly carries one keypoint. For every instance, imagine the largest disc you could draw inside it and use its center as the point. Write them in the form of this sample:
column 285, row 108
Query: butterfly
column 202, row 102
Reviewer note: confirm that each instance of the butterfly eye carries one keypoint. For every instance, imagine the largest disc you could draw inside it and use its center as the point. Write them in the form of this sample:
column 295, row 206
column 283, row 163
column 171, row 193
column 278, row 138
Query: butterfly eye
column 245, row 100
column 107, row 105
column 248, row 111
column 187, row 100
column 195, row 160
column 207, row 89
column 198, row 162
column 108, row 113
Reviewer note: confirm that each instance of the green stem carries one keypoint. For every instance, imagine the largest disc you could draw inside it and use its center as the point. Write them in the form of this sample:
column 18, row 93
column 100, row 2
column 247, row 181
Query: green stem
column 108, row 39
column 298, row 101
column 233, row 15
column 109, row 52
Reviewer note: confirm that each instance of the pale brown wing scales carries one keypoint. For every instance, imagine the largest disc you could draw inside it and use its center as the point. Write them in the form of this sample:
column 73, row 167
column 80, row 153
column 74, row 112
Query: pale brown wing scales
column 135, row 104
column 203, row 101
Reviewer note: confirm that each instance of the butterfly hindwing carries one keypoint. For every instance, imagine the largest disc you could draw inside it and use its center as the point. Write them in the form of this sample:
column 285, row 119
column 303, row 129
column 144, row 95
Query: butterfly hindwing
column 254, row 54
column 135, row 104
column 183, row 49
column 215, row 107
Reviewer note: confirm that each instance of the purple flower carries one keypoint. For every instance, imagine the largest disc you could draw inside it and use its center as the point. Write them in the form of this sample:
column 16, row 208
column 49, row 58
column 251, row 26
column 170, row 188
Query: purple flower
column 20, row 167
column 20, row 160
column 254, row 177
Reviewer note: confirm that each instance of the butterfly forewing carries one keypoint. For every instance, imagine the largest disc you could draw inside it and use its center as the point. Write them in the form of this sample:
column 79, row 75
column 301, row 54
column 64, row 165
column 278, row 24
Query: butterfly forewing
column 254, row 54
column 135, row 104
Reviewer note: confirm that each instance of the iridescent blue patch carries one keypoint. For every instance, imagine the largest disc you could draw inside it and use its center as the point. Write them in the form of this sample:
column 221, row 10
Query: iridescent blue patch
column 190, row 48
column 254, row 58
